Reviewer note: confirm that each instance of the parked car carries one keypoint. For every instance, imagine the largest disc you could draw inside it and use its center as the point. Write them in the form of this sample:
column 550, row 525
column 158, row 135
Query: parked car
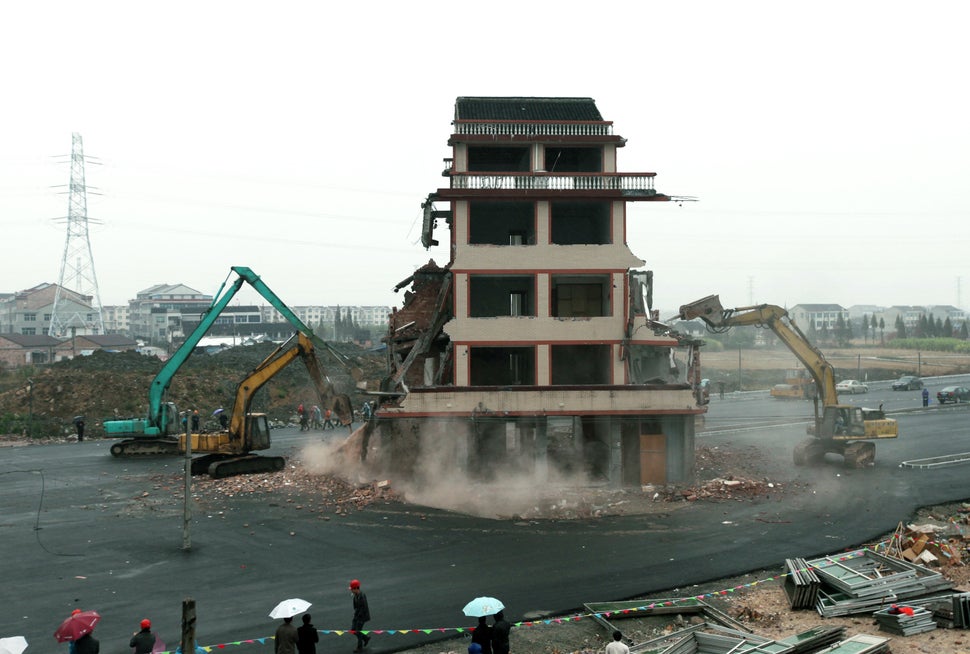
column 953, row 394
column 852, row 386
column 908, row 383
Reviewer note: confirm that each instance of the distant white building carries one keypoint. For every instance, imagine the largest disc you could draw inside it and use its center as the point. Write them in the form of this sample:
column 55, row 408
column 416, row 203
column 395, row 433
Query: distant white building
column 818, row 316
column 365, row 316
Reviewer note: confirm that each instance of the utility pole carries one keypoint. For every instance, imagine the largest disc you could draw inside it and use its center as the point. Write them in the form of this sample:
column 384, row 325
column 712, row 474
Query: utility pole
column 77, row 301
column 30, row 407
column 187, row 504
column 739, row 368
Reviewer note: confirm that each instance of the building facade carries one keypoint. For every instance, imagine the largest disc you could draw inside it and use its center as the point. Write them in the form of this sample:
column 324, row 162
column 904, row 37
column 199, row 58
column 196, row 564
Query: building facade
column 29, row 312
column 817, row 317
column 325, row 317
column 155, row 316
column 535, row 347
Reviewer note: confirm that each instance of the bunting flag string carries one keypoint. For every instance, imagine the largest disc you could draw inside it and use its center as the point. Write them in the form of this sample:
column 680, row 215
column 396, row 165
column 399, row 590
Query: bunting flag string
column 262, row 640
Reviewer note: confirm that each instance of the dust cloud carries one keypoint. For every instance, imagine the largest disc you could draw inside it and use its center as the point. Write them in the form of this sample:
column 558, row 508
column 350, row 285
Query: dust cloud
column 499, row 487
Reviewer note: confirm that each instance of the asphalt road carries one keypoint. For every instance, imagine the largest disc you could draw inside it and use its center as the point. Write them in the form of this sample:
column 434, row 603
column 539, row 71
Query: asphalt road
column 77, row 530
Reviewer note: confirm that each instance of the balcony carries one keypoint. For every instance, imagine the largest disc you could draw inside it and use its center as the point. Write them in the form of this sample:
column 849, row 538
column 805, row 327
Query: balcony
column 628, row 183
column 532, row 129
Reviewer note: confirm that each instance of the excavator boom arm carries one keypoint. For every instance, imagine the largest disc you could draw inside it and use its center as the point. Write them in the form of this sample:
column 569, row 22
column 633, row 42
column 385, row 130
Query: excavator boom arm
column 271, row 366
column 775, row 318
column 163, row 379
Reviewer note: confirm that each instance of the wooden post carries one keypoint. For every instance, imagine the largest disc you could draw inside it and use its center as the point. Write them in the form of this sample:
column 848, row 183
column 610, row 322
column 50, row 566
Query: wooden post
column 188, row 626
column 187, row 504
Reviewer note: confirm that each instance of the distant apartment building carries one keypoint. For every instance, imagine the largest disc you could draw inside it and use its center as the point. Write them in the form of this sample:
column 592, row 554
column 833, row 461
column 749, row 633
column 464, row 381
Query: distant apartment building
column 29, row 312
column 818, row 317
column 116, row 318
column 908, row 314
column 156, row 314
column 318, row 315
column 944, row 311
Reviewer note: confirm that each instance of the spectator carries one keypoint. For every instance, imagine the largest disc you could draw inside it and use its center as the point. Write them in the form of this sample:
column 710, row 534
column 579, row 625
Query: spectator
column 361, row 615
column 143, row 641
column 500, row 634
column 307, row 637
column 617, row 646
column 286, row 637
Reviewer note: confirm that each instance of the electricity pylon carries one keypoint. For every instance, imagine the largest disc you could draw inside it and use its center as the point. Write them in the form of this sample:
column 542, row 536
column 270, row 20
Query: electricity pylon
column 77, row 278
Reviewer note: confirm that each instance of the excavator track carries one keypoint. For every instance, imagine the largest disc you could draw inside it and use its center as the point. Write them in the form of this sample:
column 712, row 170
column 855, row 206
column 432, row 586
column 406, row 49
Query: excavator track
column 145, row 447
column 809, row 452
column 245, row 465
column 859, row 454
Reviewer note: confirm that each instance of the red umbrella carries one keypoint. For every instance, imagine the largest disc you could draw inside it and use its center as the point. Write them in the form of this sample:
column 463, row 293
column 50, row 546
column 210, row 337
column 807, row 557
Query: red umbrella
column 77, row 625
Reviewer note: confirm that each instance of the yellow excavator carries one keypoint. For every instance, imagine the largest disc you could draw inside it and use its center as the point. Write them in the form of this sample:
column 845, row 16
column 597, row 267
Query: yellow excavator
column 839, row 428
column 798, row 385
column 231, row 452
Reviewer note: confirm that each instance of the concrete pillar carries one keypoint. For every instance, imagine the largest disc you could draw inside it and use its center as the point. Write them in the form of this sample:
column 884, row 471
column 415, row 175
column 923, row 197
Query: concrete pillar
column 542, row 451
column 616, row 454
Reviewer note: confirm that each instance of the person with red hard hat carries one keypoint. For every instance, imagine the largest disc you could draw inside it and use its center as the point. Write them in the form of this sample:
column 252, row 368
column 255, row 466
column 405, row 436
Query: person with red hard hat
column 143, row 641
column 361, row 615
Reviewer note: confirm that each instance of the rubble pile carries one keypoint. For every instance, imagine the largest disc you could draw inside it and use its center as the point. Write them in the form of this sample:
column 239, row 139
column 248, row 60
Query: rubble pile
column 298, row 487
column 933, row 544
column 730, row 488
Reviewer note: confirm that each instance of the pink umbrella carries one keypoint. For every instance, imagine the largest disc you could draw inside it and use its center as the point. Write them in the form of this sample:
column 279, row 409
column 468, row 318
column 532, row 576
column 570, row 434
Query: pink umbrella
column 77, row 625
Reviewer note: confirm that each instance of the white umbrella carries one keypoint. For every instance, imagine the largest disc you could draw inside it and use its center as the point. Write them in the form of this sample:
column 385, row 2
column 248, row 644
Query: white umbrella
column 289, row 608
column 482, row 606
column 13, row 645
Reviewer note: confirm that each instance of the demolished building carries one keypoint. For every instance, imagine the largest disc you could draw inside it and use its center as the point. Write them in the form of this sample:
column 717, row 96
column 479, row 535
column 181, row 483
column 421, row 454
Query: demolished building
column 535, row 348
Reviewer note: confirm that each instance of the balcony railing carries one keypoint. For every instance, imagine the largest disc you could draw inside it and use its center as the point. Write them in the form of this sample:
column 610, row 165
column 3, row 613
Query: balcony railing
column 537, row 128
column 573, row 182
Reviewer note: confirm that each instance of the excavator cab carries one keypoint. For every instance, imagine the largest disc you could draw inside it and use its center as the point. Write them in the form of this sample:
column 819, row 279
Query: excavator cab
column 257, row 432
column 843, row 422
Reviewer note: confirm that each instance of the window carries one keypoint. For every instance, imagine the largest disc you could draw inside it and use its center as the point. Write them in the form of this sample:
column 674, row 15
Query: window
column 47, row 317
column 498, row 159
column 30, row 317
column 491, row 296
column 580, row 223
column 574, row 160
column 502, row 366
column 580, row 296
column 28, row 331
column 580, row 364
column 501, row 223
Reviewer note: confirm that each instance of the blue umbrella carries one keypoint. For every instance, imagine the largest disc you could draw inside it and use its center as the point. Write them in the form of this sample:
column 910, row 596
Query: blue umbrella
column 482, row 606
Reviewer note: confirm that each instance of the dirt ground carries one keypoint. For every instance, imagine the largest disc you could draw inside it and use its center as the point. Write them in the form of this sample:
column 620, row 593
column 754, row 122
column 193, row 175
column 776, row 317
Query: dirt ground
column 878, row 362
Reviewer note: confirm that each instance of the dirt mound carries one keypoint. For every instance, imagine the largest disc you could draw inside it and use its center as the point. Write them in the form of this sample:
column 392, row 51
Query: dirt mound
column 106, row 386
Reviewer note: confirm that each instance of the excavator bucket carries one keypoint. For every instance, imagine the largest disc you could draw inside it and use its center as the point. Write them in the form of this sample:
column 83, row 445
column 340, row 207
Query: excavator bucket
column 343, row 408
column 708, row 309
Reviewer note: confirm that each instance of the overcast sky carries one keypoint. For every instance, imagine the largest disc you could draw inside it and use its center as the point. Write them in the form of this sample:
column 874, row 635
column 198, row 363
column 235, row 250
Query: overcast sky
column 827, row 142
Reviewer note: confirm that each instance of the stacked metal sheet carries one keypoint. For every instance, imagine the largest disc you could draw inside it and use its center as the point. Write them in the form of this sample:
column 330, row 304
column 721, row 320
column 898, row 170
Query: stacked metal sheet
column 859, row 644
column 865, row 583
column 725, row 641
column 961, row 610
column 814, row 639
column 903, row 624
column 801, row 584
